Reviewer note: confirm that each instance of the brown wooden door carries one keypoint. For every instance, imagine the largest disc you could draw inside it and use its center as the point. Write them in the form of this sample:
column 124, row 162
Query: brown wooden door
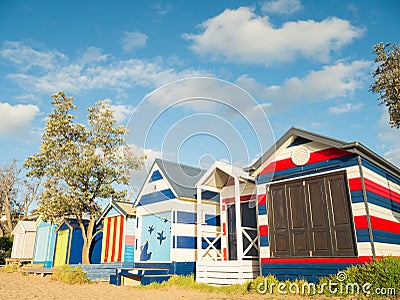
column 320, row 236
column 279, row 227
column 341, row 221
column 311, row 217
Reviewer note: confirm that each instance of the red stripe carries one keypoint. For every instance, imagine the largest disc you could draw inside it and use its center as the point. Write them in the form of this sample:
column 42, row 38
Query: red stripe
column 225, row 254
column 224, row 228
column 108, row 220
column 263, row 230
column 385, row 225
column 262, row 199
column 360, row 222
column 113, row 239
column 244, row 198
column 315, row 157
column 317, row 260
column 355, row 185
column 121, row 235
column 129, row 240
column 223, row 207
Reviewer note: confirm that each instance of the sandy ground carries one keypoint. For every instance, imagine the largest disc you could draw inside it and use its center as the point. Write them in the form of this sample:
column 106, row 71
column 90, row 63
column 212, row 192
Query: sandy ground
column 17, row 286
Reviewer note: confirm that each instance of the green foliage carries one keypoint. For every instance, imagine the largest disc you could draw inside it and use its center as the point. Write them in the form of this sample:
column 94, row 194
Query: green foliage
column 6, row 243
column 81, row 164
column 387, row 79
column 382, row 273
column 9, row 269
column 70, row 275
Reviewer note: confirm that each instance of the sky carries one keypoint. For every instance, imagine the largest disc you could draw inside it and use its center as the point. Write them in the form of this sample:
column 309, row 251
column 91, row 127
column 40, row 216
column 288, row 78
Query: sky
column 197, row 81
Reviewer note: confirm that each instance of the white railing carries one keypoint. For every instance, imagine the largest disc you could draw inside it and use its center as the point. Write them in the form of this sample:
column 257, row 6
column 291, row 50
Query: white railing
column 211, row 249
column 253, row 242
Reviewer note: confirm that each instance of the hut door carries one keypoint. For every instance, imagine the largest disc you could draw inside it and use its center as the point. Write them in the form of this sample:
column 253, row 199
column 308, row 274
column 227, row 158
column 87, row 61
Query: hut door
column 232, row 237
column 311, row 217
column 61, row 248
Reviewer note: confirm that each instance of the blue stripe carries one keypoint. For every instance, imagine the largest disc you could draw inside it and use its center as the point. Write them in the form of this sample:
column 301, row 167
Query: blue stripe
column 264, row 241
column 310, row 272
column 357, row 197
column 369, row 165
column 156, row 197
column 299, row 141
column 362, row 235
column 129, row 253
column 333, row 164
column 155, row 176
column 381, row 236
column 212, row 220
column 211, row 196
column 190, row 242
column 184, row 217
column 262, row 209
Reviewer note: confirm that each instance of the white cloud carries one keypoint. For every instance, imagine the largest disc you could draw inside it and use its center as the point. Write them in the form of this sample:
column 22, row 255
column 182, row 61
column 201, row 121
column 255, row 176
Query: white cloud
column 91, row 71
column 122, row 112
column 25, row 57
column 16, row 121
column 338, row 80
column 344, row 108
column 390, row 138
column 281, row 7
column 242, row 36
column 132, row 40
column 91, row 55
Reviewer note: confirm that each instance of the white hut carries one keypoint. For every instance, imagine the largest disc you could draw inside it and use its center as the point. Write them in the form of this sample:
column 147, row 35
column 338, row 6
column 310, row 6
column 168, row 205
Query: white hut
column 24, row 240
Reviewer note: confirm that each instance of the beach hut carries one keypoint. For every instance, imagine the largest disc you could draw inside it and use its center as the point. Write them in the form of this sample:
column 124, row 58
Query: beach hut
column 44, row 243
column 324, row 204
column 24, row 240
column 119, row 222
column 238, row 258
column 166, row 215
column 69, row 243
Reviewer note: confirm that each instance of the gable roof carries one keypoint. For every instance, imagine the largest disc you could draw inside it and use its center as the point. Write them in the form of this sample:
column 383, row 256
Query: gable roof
column 25, row 226
column 212, row 177
column 123, row 207
column 182, row 178
column 354, row 147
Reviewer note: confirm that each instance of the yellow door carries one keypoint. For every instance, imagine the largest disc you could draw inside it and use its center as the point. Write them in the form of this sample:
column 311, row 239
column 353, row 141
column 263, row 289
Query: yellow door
column 61, row 248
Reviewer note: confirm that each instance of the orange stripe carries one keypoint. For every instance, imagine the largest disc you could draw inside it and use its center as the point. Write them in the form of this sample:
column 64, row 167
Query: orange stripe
column 121, row 232
column 113, row 239
column 108, row 220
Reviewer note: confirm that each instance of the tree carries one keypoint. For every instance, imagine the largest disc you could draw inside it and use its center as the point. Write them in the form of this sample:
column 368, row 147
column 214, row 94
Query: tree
column 81, row 164
column 387, row 79
column 16, row 196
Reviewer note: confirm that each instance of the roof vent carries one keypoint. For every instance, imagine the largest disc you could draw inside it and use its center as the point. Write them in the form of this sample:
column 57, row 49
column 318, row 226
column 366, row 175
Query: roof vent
column 300, row 156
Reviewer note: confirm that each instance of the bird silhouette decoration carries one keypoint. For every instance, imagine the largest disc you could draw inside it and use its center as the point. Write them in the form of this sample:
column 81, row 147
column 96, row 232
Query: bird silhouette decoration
column 151, row 229
column 145, row 254
column 161, row 237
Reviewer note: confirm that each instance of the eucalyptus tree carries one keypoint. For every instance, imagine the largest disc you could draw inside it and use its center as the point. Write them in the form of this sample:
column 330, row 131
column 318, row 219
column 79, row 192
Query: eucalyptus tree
column 387, row 79
column 81, row 164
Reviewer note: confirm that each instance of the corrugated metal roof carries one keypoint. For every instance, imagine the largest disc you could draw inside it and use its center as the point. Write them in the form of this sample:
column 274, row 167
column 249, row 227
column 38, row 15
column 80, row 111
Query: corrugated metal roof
column 182, row 178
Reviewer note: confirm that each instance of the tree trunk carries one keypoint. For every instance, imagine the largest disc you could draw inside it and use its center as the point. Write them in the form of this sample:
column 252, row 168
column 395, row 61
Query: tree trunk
column 87, row 235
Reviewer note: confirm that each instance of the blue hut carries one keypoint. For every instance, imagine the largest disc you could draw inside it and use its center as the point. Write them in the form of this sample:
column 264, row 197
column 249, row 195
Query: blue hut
column 44, row 243
column 69, row 243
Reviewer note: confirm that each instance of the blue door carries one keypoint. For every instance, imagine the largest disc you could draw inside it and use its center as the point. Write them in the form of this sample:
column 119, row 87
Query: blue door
column 156, row 237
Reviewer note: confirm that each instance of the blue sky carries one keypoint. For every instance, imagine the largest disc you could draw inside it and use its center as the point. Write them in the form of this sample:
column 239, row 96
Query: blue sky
column 304, row 63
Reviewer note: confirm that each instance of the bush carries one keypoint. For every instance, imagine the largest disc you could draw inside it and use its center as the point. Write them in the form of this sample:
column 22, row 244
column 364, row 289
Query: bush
column 70, row 275
column 380, row 278
column 6, row 243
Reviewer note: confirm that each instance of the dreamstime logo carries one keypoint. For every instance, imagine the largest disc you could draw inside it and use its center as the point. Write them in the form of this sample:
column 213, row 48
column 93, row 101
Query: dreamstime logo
column 338, row 287
column 199, row 121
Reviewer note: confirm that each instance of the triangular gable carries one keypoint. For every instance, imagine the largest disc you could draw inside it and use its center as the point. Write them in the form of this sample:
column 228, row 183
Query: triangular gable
column 71, row 223
column 154, row 168
column 320, row 148
column 24, row 226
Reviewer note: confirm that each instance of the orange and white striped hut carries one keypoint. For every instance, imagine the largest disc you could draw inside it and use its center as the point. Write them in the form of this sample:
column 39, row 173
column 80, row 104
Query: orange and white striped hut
column 119, row 221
